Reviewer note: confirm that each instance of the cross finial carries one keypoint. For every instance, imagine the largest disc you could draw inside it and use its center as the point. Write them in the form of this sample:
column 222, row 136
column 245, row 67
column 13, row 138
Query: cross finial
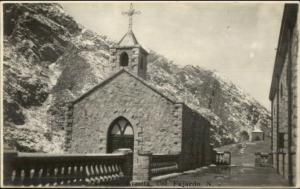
column 130, row 13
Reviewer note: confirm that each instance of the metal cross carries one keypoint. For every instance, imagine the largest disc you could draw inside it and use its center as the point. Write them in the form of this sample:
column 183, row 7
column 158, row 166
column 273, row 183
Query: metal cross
column 130, row 13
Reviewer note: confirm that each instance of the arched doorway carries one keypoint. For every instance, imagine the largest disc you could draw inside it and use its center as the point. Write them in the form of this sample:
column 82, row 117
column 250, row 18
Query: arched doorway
column 244, row 136
column 120, row 135
column 124, row 59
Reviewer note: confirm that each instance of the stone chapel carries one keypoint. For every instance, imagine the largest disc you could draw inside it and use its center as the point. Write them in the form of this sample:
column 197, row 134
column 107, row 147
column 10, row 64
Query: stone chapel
column 124, row 111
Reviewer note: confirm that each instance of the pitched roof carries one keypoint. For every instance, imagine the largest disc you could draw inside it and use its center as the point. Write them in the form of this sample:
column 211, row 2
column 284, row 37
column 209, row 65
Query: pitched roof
column 257, row 130
column 140, row 80
column 114, row 76
column 128, row 39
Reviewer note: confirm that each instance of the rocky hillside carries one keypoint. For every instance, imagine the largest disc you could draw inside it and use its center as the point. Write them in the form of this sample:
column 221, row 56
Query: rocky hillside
column 229, row 109
column 50, row 59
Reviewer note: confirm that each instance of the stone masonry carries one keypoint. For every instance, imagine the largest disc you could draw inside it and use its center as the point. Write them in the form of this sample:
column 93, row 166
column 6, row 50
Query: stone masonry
column 283, row 96
column 127, row 97
column 160, row 125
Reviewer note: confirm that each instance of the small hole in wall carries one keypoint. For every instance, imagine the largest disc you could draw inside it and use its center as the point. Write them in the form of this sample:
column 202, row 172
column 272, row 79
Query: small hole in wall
column 175, row 143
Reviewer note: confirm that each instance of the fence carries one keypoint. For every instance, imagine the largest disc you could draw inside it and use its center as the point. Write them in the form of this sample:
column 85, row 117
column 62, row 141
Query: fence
column 222, row 158
column 37, row 169
column 164, row 164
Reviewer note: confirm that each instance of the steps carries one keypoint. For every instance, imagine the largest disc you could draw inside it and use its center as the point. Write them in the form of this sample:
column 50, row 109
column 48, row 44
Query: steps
column 242, row 150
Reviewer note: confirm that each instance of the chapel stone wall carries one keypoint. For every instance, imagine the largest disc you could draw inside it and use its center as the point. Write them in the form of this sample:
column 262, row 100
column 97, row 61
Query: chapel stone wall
column 151, row 116
column 196, row 143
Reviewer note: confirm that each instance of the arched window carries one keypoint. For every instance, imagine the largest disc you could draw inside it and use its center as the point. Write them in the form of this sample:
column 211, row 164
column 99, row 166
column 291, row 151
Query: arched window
column 124, row 59
column 120, row 135
column 121, row 127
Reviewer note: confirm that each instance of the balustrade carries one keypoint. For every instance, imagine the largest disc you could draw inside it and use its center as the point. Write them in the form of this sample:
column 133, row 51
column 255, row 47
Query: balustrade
column 35, row 169
column 223, row 158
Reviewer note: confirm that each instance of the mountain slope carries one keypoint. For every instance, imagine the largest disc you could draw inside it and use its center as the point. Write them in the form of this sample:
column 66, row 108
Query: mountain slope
column 223, row 103
column 49, row 59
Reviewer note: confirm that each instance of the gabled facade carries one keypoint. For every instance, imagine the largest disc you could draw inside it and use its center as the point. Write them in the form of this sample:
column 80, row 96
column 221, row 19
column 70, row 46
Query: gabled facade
column 125, row 112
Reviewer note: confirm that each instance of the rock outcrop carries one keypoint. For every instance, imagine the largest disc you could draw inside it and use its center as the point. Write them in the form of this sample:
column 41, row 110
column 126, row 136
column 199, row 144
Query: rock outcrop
column 49, row 59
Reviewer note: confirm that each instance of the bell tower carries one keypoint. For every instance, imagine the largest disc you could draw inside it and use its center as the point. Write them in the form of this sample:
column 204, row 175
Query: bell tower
column 128, row 53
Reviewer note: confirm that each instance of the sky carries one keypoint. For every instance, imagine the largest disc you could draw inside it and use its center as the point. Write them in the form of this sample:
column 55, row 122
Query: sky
column 238, row 40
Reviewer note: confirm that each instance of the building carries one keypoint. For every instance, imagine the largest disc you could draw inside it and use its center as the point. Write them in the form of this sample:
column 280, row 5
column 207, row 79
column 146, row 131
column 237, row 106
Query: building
column 125, row 112
column 257, row 135
column 283, row 96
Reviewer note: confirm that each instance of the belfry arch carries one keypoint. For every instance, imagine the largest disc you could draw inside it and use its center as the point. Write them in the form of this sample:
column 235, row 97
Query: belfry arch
column 124, row 59
column 120, row 135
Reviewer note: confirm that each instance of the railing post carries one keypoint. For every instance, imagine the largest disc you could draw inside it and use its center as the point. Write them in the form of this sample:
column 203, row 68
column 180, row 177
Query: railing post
column 141, row 175
column 34, row 169
column 270, row 159
column 227, row 157
column 257, row 159
column 128, row 166
column 9, row 166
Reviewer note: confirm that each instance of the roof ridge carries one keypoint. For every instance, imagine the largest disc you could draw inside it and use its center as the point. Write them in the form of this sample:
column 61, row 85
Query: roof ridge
column 115, row 75
column 131, row 39
column 149, row 86
column 97, row 86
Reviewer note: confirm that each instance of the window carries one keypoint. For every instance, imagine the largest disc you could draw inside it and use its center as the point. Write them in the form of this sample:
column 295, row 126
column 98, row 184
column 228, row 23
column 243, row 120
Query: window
column 120, row 135
column 280, row 140
column 142, row 64
column 124, row 59
column 122, row 127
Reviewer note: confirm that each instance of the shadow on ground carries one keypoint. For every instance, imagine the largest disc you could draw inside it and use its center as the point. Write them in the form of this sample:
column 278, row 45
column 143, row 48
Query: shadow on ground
column 226, row 176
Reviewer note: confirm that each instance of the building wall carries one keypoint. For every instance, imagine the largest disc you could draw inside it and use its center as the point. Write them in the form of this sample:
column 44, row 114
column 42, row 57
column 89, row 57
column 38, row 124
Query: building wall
column 294, row 59
column 274, row 139
column 195, row 139
column 257, row 135
column 283, row 117
column 155, row 126
column 282, row 98
column 284, row 101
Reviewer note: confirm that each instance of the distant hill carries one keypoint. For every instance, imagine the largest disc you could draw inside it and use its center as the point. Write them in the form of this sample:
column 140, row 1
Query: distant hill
column 49, row 59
